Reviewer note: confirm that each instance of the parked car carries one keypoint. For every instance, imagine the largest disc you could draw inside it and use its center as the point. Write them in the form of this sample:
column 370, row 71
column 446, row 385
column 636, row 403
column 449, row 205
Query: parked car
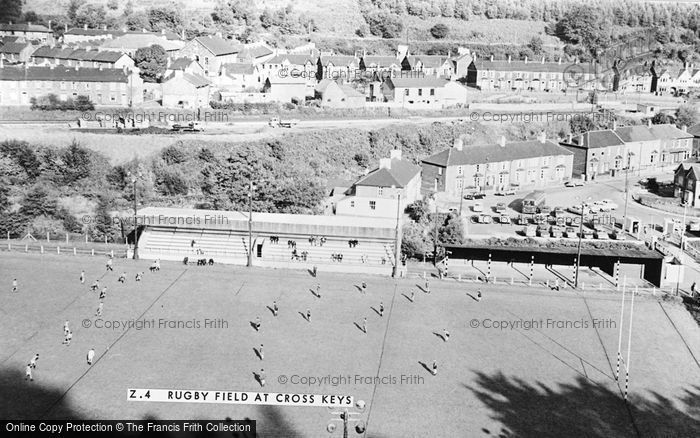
column 601, row 234
column 574, row 183
column 609, row 204
column 474, row 195
column 694, row 226
column 556, row 231
column 587, row 234
column 485, row 219
column 510, row 192
column 530, row 230
column 570, row 232
column 543, row 230
column 558, row 212
column 504, row 219
column 521, row 220
column 501, row 207
column 190, row 127
column 619, row 235
column 545, row 210
column 478, row 207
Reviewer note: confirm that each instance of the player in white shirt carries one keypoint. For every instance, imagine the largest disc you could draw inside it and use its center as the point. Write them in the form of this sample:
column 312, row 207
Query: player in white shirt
column 28, row 373
column 90, row 356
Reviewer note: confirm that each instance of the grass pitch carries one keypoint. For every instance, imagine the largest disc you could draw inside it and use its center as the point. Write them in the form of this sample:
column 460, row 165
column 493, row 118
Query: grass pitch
column 522, row 379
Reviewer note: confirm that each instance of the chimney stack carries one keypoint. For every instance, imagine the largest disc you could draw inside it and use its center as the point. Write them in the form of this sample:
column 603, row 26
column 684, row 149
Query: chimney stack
column 385, row 163
column 684, row 128
column 459, row 144
column 570, row 139
column 542, row 137
column 614, row 125
column 649, row 123
column 526, row 60
column 502, row 141
column 543, row 60
column 508, row 59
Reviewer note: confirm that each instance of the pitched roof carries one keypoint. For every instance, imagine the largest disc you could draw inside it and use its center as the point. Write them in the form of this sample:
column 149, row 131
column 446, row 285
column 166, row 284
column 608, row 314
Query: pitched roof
column 350, row 92
column 495, row 153
column 423, row 81
column 694, row 130
column 238, row 68
column 14, row 48
column 92, row 32
column 667, row 131
column 400, row 173
column 11, row 38
column 196, row 80
column 255, row 51
column 180, row 63
column 62, row 73
column 24, row 27
column 532, row 66
column 630, row 134
column 292, row 59
column 428, row 61
column 339, row 60
column 375, row 61
column 596, row 139
column 323, row 85
column 132, row 41
column 77, row 54
column 218, row 46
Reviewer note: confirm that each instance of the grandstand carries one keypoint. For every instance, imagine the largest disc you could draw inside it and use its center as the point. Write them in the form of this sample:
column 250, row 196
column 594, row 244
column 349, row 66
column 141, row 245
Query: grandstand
column 175, row 233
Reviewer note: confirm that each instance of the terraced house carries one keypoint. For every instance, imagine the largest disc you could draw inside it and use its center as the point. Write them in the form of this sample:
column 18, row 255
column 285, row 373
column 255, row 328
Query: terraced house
column 499, row 166
column 510, row 75
column 29, row 31
column 119, row 87
column 634, row 148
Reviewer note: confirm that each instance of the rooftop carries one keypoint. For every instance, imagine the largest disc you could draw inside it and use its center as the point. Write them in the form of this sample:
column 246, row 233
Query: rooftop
column 596, row 139
column 218, row 46
column 424, row 81
column 630, row 134
column 399, row 174
column 495, row 153
column 62, row 73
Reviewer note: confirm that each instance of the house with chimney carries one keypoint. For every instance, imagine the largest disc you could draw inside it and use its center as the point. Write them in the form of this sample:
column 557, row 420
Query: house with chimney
column 635, row 148
column 86, row 57
column 686, row 185
column 29, row 31
column 333, row 94
column 532, row 75
column 339, row 67
column 185, row 90
column 16, row 52
column 383, row 192
column 116, row 87
column 240, row 76
column 211, row 51
column 496, row 166
column 423, row 92
column 130, row 42
column 429, row 65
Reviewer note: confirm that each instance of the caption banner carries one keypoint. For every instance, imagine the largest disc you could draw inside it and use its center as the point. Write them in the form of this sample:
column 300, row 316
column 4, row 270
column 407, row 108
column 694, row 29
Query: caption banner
column 238, row 397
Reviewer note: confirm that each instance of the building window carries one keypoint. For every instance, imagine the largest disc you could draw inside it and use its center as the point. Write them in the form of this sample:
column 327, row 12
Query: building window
column 439, row 170
column 352, row 204
column 406, row 92
column 432, row 91
column 420, row 91
column 459, row 170
column 542, row 174
column 372, row 205
column 380, row 191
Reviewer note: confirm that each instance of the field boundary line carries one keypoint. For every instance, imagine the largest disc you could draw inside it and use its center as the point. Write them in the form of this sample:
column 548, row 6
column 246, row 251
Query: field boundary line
column 104, row 352
column 381, row 356
column 680, row 335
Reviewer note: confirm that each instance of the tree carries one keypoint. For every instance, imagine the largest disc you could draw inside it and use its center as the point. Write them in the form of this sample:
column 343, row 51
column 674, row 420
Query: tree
column 439, row 31
column 137, row 21
column 37, row 203
column 113, row 5
column 384, row 24
column 21, row 153
column 4, row 196
column 104, row 227
column 661, row 118
column 152, row 62
column 586, row 26
column 165, row 18
column 414, row 242
column 418, row 211
column 686, row 115
column 452, row 231
column 536, row 45
column 77, row 163
column 92, row 16
column 10, row 10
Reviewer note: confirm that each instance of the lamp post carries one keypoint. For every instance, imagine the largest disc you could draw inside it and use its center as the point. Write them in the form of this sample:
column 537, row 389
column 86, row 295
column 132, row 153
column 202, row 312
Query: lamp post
column 461, row 197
